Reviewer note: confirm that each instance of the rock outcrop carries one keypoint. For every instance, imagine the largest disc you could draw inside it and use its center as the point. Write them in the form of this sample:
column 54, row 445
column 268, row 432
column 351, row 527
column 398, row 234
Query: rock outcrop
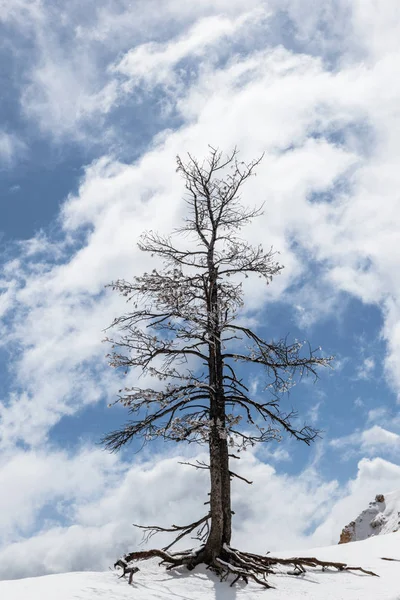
column 373, row 520
column 382, row 516
column 348, row 533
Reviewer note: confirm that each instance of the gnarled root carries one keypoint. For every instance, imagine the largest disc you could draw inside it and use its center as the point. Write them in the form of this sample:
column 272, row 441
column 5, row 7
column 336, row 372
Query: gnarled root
column 231, row 562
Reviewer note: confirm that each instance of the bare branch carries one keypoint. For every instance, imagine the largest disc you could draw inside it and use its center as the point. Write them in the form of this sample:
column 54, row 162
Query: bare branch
column 232, row 474
column 150, row 530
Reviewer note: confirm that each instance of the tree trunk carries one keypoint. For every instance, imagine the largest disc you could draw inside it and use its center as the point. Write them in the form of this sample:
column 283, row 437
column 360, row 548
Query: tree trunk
column 215, row 539
column 220, row 502
column 220, row 494
column 226, row 492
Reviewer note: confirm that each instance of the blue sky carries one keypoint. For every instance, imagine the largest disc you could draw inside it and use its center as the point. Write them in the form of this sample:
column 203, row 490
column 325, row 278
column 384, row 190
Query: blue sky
column 96, row 102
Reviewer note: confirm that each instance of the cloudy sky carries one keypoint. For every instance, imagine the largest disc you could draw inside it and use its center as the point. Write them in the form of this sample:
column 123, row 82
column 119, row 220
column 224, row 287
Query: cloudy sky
column 97, row 99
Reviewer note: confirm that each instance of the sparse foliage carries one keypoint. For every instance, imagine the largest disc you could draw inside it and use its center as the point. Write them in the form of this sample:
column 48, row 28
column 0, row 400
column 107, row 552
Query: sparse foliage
column 183, row 331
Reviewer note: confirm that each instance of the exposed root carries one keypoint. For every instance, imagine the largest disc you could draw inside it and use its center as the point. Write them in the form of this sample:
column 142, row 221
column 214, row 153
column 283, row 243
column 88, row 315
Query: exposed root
column 231, row 562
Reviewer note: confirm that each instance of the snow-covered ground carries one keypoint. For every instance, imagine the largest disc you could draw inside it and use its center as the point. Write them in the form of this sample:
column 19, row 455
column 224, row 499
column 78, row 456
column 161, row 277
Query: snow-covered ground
column 382, row 516
column 154, row 583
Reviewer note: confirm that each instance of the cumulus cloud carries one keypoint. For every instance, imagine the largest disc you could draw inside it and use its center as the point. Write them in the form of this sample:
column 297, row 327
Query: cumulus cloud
column 330, row 183
column 94, row 499
column 64, row 305
column 32, row 481
column 372, row 440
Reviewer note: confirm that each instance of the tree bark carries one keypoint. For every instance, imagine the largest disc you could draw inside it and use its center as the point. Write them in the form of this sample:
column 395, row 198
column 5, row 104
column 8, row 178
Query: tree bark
column 226, row 492
column 220, row 496
column 220, row 492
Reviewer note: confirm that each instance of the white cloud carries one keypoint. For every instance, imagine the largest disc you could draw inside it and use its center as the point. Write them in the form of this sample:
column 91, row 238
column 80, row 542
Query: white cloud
column 69, row 89
column 64, row 87
column 374, row 440
column 11, row 147
column 46, row 102
column 323, row 132
column 34, row 480
column 21, row 12
column 93, row 500
column 366, row 369
column 380, row 414
column 153, row 64
column 377, row 436
column 376, row 476
column 314, row 413
column 281, row 98
column 376, row 30
column 63, row 314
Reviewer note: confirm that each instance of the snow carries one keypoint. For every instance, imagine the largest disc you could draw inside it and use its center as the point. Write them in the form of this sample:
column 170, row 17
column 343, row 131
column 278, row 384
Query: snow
column 154, row 583
column 378, row 518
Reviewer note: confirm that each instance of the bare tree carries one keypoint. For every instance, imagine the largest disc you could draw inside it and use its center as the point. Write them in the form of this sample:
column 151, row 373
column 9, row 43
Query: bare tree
column 184, row 331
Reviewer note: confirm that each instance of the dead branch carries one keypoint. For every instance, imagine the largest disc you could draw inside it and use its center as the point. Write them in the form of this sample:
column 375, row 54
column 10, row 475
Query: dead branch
column 198, row 465
column 150, row 530
column 202, row 465
column 232, row 474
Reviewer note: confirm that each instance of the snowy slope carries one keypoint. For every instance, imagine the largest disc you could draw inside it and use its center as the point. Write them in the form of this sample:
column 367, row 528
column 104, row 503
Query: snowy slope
column 154, row 583
column 382, row 516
